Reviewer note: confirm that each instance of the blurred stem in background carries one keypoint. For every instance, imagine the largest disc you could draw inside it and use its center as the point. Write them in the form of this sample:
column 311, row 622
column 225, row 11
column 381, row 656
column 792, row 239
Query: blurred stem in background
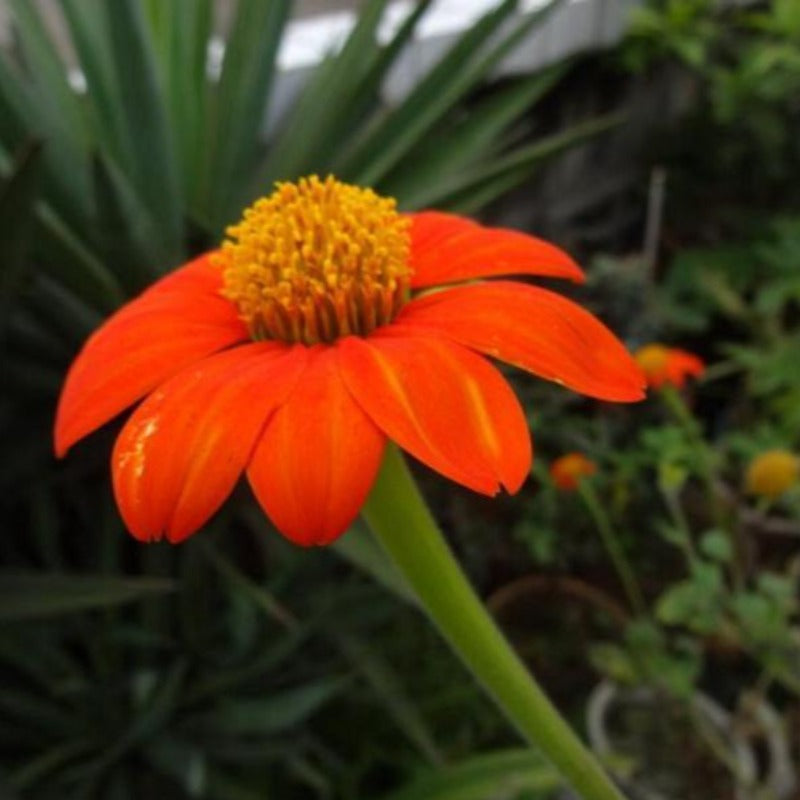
column 400, row 519
column 613, row 546
column 704, row 460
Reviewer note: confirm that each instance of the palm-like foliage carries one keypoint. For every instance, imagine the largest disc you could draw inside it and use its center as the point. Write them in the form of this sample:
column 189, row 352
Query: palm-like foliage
column 147, row 165
column 101, row 191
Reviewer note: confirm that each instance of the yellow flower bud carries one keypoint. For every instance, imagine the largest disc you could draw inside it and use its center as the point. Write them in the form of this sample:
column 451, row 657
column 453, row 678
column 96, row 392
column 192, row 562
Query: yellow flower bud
column 771, row 473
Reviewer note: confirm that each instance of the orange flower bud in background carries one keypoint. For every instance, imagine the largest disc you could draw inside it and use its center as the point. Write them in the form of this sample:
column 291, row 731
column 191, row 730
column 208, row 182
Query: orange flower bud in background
column 771, row 473
column 568, row 470
column 667, row 365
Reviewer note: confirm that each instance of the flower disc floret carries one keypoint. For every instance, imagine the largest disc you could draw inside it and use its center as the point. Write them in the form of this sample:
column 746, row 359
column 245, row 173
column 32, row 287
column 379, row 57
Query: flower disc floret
column 316, row 261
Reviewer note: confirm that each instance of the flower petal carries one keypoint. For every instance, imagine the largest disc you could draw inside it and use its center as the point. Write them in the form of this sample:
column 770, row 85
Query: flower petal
column 681, row 365
column 181, row 452
column 318, row 457
column 534, row 329
column 446, row 248
column 179, row 320
column 446, row 406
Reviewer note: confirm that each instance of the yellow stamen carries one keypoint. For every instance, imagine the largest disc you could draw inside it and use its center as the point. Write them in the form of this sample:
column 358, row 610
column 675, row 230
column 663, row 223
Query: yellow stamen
column 652, row 358
column 317, row 260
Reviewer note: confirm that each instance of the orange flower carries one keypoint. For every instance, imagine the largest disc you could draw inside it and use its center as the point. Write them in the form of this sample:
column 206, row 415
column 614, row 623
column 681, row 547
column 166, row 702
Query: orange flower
column 667, row 365
column 568, row 470
column 310, row 338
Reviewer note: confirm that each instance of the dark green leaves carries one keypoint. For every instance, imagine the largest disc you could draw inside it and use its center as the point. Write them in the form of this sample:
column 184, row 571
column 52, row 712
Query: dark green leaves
column 238, row 106
column 503, row 775
column 35, row 595
column 17, row 197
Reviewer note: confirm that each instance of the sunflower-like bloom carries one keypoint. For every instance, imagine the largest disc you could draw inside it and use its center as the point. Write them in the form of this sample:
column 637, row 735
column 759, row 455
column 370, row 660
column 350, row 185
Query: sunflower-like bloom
column 569, row 470
column 668, row 365
column 771, row 473
column 325, row 325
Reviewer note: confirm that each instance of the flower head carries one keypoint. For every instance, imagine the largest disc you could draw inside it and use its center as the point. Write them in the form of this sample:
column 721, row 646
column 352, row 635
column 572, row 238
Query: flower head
column 310, row 338
column 667, row 365
column 568, row 470
column 772, row 473
column 317, row 260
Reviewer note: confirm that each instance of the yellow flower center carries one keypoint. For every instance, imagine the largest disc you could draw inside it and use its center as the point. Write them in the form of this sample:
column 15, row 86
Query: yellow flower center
column 317, row 260
column 652, row 358
column 772, row 473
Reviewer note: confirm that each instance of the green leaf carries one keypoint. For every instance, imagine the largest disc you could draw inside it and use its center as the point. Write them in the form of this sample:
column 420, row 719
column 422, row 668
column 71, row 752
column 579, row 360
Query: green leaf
column 462, row 67
column 69, row 261
column 367, row 94
column 182, row 761
column 35, row 711
column 17, row 198
column 781, row 589
column 313, row 127
column 359, row 547
column 273, row 714
column 470, row 201
column 760, row 620
column 47, row 71
column 25, row 596
column 679, row 603
column 514, row 167
column 62, row 315
column 275, row 652
column 25, row 116
column 158, row 707
column 181, row 33
column 148, row 139
column 88, row 29
column 239, row 104
column 614, row 662
column 474, row 137
column 673, row 534
column 34, row 771
column 691, row 603
column 127, row 233
column 387, row 686
column 707, row 577
column 500, row 776
column 716, row 545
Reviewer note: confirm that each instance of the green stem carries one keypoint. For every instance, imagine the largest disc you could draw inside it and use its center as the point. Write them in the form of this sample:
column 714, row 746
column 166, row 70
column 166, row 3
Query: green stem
column 679, row 518
column 402, row 522
column 715, row 743
column 613, row 547
column 684, row 417
column 682, row 414
column 787, row 679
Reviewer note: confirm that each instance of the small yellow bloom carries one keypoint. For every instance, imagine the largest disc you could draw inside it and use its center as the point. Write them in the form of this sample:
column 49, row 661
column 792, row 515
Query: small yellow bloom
column 771, row 473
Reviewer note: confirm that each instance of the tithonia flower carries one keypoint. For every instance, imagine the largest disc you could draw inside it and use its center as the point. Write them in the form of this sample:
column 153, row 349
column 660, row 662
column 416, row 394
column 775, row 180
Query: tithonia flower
column 568, row 470
column 668, row 365
column 312, row 337
column 772, row 473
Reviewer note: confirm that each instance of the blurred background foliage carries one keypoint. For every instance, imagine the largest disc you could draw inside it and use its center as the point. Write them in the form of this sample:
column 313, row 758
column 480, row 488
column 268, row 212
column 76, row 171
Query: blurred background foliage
column 239, row 667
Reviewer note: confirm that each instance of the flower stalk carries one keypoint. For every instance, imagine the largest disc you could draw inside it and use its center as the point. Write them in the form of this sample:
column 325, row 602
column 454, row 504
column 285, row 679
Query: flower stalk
column 705, row 463
column 613, row 547
column 402, row 522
